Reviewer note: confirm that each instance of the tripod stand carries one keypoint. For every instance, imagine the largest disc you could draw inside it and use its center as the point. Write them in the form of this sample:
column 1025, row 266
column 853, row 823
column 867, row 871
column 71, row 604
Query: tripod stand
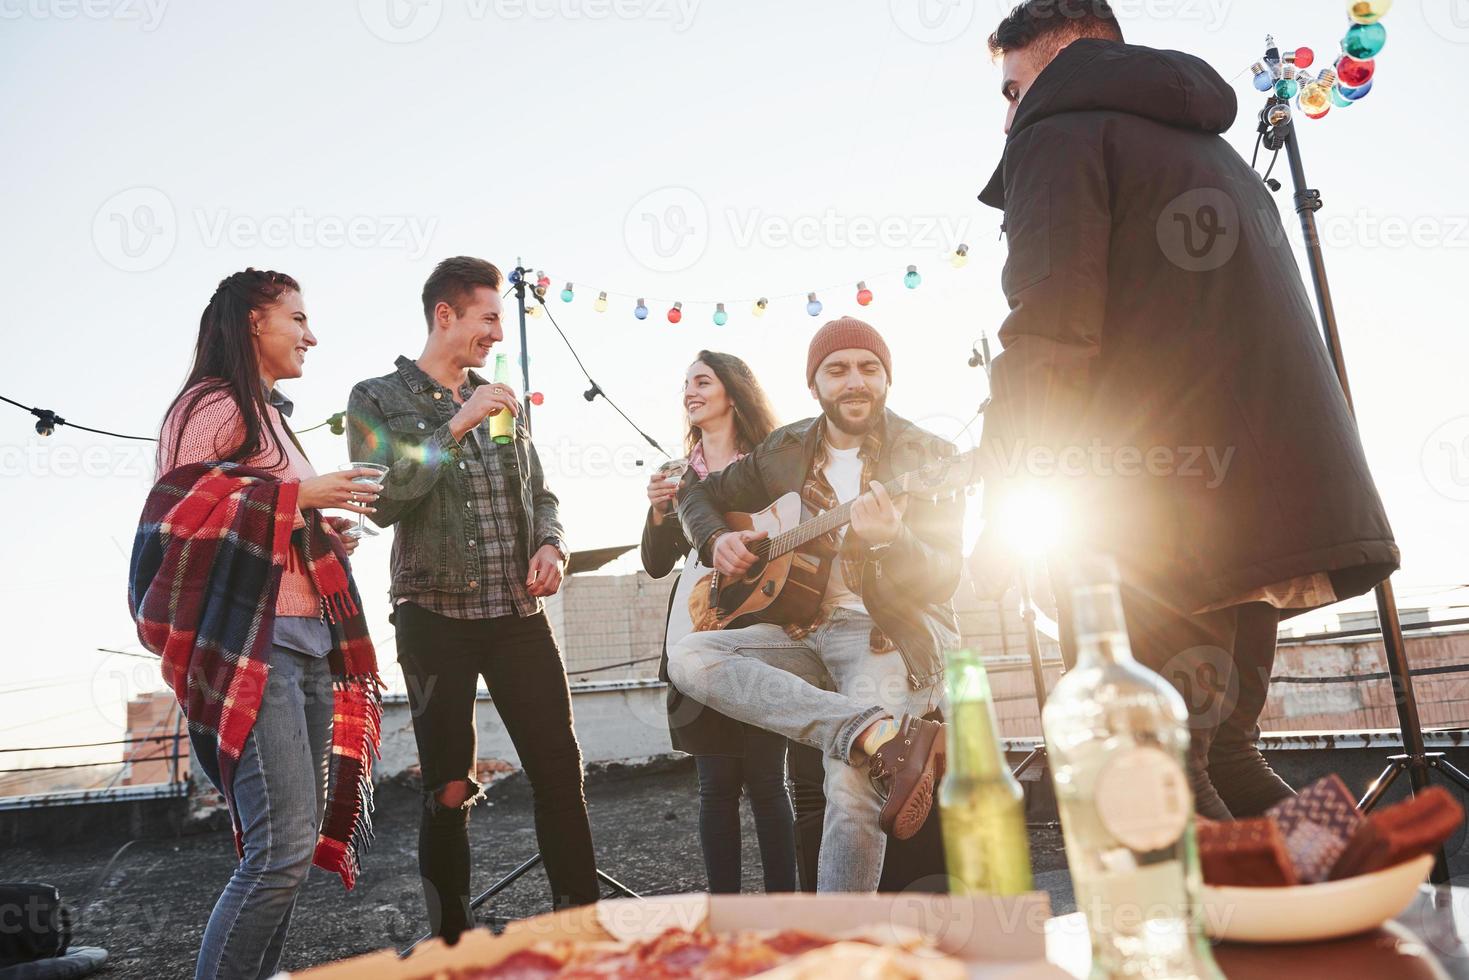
column 1280, row 133
column 1037, row 755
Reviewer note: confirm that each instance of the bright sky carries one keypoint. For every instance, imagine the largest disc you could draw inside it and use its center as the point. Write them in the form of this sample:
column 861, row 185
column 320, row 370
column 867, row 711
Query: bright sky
column 667, row 149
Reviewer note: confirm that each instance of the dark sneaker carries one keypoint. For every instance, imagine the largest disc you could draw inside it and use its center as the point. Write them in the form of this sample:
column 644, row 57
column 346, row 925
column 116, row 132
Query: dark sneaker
column 906, row 772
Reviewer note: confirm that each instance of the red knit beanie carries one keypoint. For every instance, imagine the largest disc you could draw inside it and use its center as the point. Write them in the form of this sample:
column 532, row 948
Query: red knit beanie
column 842, row 334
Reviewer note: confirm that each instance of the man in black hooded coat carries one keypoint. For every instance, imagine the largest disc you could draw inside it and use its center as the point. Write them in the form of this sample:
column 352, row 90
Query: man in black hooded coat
column 1162, row 369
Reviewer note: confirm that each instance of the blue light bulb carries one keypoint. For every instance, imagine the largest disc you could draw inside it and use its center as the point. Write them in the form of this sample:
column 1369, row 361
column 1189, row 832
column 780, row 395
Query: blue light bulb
column 813, row 305
column 1263, row 81
column 640, row 311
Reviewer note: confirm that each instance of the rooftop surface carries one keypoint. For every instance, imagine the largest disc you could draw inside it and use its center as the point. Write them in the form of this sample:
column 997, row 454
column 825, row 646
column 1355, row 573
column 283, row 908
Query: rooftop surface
column 148, row 905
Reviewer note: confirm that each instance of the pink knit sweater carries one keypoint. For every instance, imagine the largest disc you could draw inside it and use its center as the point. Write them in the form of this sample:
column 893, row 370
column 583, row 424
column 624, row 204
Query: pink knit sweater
column 213, row 430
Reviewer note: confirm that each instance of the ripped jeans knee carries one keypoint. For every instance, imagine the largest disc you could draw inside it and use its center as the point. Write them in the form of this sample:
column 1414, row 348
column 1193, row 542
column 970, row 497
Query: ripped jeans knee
column 457, row 795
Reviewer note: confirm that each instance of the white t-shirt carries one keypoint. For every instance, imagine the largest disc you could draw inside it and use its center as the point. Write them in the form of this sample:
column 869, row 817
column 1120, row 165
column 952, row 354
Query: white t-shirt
column 843, row 471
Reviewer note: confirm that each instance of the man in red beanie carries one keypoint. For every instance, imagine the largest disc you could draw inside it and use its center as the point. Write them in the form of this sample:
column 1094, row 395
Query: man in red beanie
column 857, row 679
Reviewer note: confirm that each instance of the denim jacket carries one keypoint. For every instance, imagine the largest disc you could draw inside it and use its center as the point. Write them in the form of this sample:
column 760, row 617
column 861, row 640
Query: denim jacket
column 401, row 420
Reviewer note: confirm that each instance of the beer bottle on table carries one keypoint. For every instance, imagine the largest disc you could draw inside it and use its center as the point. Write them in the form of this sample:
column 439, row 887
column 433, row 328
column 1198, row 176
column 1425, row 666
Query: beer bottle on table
column 1117, row 740
column 502, row 423
column 986, row 846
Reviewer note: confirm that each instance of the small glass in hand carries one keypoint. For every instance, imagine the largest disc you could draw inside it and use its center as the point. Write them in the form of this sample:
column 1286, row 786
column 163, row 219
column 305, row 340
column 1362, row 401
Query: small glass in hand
column 363, row 529
column 673, row 470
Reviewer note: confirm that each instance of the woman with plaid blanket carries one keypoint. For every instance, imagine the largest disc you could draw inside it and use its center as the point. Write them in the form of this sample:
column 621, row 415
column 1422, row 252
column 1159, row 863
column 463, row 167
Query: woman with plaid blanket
column 244, row 589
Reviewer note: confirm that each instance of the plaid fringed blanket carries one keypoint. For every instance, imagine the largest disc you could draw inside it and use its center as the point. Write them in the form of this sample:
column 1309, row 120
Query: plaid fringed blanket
column 206, row 567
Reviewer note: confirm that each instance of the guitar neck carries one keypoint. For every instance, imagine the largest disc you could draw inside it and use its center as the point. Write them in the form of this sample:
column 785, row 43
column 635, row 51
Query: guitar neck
column 823, row 523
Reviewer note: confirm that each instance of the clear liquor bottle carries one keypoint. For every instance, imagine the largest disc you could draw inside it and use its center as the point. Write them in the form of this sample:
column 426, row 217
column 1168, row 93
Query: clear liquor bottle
column 1116, row 740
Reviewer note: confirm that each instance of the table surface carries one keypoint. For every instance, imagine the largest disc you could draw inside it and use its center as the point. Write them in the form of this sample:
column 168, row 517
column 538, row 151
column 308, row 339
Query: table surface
column 1427, row 941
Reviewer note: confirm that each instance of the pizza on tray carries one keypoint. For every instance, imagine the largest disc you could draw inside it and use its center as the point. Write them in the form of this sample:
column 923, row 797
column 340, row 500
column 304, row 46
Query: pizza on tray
column 786, row 954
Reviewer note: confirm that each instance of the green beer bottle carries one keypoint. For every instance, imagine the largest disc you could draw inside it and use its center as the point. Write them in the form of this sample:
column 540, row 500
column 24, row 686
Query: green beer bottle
column 983, row 809
column 502, row 423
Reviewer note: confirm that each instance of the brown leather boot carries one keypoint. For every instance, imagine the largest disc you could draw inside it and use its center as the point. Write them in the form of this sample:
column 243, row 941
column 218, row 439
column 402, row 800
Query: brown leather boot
column 906, row 773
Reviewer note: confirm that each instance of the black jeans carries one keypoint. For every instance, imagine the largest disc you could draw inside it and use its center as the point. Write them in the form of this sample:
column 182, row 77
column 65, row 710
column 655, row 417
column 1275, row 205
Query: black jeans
column 442, row 661
column 761, row 774
column 1220, row 662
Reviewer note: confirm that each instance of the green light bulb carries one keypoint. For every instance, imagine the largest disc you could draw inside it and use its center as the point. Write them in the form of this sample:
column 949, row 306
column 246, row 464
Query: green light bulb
column 1363, row 41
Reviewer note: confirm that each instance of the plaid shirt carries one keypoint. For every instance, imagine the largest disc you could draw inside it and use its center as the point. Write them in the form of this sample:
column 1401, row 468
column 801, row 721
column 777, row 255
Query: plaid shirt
column 504, row 560
column 848, row 549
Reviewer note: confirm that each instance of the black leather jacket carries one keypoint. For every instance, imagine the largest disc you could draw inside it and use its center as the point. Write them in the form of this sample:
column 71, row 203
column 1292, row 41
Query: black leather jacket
column 908, row 591
column 395, row 420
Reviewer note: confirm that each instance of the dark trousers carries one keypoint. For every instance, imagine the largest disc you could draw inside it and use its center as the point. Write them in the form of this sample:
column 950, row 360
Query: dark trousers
column 759, row 773
column 442, row 661
column 916, row 864
column 1220, row 662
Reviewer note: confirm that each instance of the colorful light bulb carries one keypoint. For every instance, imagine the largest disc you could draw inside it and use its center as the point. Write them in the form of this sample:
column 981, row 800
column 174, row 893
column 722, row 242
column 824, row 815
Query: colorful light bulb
column 911, row 278
column 1287, row 86
column 536, row 398
column 1368, row 11
column 1315, row 97
column 543, row 283
column 1338, row 99
column 720, row 317
column 1264, row 77
column 1304, row 57
column 1354, row 94
column 1353, row 72
column 759, row 308
column 534, row 309
column 864, row 295
column 960, row 257
column 601, row 304
column 813, row 305
column 567, row 295
column 1363, row 41
column 675, row 313
column 641, row 310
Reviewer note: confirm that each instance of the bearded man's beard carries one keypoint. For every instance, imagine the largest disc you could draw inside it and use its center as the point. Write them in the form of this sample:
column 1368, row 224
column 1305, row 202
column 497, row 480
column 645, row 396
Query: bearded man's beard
column 833, row 411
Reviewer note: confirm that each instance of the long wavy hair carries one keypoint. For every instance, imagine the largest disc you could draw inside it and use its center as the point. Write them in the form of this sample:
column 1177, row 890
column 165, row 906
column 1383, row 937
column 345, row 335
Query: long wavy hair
column 753, row 417
column 225, row 361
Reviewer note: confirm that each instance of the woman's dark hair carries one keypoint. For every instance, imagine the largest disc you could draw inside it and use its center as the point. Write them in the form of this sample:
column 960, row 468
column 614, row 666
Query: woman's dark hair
column 225, row 361
column 754, row 418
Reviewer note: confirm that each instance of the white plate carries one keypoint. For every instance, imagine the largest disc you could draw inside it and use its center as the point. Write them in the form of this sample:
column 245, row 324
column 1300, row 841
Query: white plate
column 1307, row 913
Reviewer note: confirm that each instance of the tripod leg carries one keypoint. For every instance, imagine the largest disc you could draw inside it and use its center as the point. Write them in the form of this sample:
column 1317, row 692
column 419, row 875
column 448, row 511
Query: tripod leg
column 1037, row 754
column 618, row 886
column 505, row 882
column 1396, row 764
column 1454, row 773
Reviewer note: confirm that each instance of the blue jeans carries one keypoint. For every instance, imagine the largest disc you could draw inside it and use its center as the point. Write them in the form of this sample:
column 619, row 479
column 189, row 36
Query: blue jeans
column 822, row 689
column 761, row 773
column 280, row 795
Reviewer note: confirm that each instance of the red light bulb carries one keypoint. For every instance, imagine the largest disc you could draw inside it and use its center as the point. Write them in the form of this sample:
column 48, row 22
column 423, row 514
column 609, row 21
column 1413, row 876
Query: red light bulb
column 1304, row 57
column 1352, row 73
column 536, row 398
column 675, row 313
column 864, row 295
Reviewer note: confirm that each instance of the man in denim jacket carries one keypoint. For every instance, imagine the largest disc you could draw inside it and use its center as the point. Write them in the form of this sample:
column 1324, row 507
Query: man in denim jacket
column 478, row 545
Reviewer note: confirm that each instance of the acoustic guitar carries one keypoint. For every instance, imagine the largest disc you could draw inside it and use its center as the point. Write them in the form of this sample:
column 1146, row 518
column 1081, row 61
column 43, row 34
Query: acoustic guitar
column 786, row 584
